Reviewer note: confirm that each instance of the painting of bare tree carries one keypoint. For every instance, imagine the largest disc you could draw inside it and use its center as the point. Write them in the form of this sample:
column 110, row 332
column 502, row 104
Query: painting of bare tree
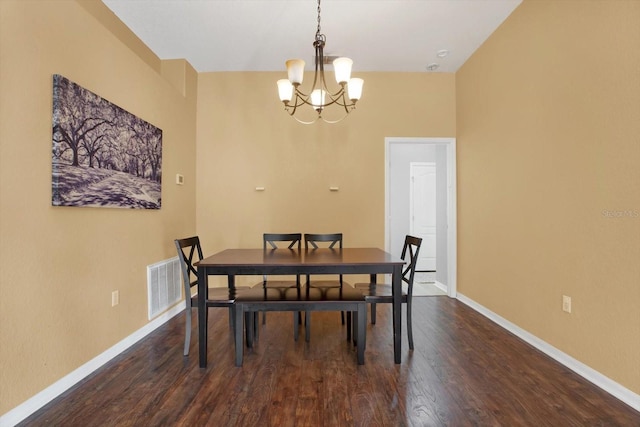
column 102, row 155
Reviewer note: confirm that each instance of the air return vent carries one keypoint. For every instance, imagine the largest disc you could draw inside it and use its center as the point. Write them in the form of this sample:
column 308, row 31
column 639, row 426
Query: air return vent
column 163, row 285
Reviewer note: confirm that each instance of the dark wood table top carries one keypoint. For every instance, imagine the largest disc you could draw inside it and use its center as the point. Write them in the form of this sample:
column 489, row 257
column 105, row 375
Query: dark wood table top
column 305, row 257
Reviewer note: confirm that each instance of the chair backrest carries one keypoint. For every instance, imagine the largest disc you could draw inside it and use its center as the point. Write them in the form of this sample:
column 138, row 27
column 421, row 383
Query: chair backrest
column 189, row 252
column 329, row 240
column 271, row 239
column 411, row 248
column 332, row 240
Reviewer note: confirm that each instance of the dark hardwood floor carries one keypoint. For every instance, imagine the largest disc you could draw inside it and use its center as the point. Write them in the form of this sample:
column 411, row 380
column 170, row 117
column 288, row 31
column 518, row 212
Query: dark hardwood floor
column 465, row 371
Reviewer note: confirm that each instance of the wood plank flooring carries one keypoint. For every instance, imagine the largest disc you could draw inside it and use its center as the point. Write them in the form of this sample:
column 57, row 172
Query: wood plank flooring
column 465, row 371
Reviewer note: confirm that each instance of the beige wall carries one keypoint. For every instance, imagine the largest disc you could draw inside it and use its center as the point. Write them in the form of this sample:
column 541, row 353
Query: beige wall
column 547, row 140
column 548, row 121
column 245, row 140
column 59, row 265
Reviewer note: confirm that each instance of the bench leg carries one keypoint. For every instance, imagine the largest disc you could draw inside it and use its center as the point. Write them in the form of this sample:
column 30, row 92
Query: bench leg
column 354, row 327
column 255, row 316
column 373, row 313
column 361, row 326
column 238, row 333
column 248, row 324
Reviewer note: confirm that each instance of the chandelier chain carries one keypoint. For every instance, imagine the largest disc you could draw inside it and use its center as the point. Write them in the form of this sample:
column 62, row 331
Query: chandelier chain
column 318, row 31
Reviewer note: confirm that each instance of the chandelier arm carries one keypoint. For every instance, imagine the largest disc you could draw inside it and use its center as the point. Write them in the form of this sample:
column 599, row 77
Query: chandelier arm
column 336, row 95
column 315, row 74
column 293, row 109
column 337, row 98
column 307, row 123
column 331, row 122
column 341, row 101
column 344, row 102
column 301, row 94
column 302, row 99
column 319, row 59
column 319, row 43
column 299, row 101
column 340, row 92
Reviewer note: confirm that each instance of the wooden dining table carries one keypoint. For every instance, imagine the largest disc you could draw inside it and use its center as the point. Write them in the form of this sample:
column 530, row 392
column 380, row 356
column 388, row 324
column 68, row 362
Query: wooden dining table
column 236, row 262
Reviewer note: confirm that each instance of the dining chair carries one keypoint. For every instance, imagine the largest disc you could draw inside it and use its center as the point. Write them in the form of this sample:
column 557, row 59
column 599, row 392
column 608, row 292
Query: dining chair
column 270, row 241
column 190, row 252
column 330, row 241
column 375, row 293
column 315, row 241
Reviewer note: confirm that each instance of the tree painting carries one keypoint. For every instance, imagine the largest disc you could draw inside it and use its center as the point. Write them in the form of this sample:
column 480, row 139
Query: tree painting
column 102, row 155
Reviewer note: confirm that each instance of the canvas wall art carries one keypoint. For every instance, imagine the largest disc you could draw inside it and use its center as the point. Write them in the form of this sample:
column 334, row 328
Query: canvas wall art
column 102, row 155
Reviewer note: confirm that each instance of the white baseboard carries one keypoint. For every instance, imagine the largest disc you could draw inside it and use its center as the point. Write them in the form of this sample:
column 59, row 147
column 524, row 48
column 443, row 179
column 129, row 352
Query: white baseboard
column 442, row 287
column 36, row 402
column 613, row 388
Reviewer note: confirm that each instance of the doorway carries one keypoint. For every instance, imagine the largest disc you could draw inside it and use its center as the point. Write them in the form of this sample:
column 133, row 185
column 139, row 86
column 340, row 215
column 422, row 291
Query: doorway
column 400, row 153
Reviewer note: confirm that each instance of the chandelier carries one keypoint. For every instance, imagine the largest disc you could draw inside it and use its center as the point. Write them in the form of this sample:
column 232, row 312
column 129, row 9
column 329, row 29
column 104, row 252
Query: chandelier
column 319, row 96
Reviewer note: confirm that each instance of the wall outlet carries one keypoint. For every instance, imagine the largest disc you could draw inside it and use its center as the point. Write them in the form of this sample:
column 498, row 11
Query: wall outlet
column 115, row 298
column 566, row 303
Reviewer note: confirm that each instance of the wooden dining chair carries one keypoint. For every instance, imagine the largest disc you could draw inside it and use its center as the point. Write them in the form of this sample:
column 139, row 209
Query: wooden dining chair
column 272, row 241
column 375, row 293
column 190, row 252
column 330, row 241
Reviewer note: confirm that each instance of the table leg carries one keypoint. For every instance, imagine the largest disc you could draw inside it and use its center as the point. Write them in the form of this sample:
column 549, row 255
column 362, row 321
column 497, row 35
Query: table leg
column 231, row 280
column 239, row 311
column 396, row 287
column 296, row 325
column 374, row 282
column 202, row 315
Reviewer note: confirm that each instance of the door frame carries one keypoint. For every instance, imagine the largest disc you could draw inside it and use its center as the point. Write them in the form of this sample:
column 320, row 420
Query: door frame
column 452, row 250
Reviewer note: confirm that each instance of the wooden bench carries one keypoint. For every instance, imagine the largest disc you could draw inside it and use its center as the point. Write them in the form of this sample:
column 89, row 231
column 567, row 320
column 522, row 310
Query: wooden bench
column 300, row 299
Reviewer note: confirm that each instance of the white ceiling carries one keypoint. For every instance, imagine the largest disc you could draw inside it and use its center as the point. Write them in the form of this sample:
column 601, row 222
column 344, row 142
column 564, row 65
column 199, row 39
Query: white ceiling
column 260, row 35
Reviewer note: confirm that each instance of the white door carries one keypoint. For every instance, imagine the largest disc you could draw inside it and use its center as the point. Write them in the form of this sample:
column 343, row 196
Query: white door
column 422, row 210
